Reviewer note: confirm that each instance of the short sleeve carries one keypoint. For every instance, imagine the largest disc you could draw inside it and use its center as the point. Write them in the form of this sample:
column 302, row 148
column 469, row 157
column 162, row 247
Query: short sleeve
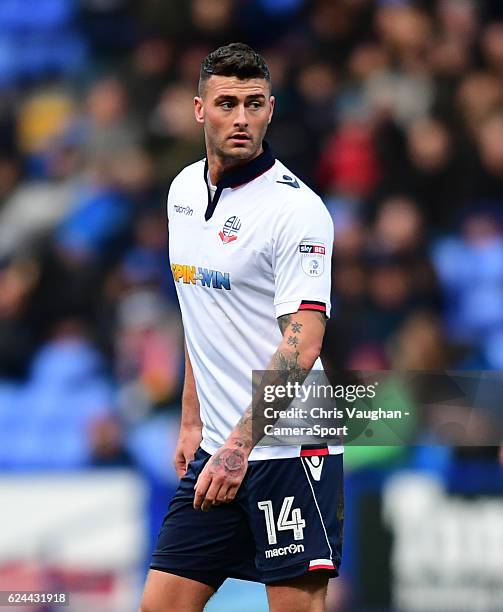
column 303, row 241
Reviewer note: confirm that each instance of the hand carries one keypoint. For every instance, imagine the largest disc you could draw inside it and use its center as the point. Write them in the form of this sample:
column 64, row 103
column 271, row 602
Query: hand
column 188, row 443
column 221, row 477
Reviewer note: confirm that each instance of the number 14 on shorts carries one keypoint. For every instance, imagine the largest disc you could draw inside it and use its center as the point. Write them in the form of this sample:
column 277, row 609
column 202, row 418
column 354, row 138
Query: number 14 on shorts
column 295, row 522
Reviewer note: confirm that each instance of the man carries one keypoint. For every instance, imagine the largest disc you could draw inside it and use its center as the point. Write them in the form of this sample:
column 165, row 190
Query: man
column 250, row 249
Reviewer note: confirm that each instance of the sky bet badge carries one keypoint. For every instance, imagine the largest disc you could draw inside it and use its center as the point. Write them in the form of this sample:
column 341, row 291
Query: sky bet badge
column 230, row 230
column 313, row 258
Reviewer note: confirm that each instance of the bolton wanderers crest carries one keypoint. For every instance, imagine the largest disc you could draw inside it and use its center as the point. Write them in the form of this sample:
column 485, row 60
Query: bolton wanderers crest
column 229, row 231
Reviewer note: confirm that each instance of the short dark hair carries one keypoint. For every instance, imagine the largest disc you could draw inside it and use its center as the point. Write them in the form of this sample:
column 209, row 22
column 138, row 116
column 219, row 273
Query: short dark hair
column 235, row 59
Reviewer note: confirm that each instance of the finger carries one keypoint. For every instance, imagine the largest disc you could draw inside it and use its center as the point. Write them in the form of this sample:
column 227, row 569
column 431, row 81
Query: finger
column 222, row 496
column 201, row 486
column 188, row 457
column 211, row 495
column 231, row 493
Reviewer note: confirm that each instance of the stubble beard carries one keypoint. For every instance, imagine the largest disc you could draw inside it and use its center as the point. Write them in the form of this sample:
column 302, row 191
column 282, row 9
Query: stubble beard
column 232, row 155
column 237, row 154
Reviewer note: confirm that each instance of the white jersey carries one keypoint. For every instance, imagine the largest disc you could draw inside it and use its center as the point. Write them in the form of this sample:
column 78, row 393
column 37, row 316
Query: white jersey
column 259, row 249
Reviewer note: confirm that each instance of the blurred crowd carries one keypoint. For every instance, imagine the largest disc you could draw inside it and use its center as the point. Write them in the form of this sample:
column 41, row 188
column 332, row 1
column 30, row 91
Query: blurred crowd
column 391, row 109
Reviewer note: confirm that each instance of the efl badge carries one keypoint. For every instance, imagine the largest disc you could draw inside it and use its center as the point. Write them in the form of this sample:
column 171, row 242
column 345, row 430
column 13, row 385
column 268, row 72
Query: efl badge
column 313, row 258
column 230, row 230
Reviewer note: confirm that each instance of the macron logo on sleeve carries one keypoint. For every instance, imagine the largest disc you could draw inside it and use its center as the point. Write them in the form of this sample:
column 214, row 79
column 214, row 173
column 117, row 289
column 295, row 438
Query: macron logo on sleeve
column 290, row 181
column 184, row 210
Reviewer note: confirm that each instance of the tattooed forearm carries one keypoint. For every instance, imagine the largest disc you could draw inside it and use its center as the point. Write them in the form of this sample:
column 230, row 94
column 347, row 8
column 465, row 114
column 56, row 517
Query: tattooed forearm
column 284, row 368
column 288, row 365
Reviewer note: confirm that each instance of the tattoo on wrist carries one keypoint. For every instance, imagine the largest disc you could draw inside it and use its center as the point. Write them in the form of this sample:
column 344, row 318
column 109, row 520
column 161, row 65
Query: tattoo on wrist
column 238, row 442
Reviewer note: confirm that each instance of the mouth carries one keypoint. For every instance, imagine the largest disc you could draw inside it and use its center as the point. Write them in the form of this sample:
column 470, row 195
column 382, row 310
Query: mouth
column 240, row 137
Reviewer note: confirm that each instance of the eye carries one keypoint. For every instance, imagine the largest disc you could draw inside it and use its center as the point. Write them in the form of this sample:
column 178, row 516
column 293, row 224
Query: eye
column 225, row 105
column 255, row 104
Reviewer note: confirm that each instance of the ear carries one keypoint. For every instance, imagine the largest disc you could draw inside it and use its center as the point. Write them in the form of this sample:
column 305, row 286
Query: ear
column 199, row 109
column 272, row 102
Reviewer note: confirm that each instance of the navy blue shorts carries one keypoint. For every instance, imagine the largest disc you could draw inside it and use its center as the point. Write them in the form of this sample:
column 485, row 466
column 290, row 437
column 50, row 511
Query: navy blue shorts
column 286, row 520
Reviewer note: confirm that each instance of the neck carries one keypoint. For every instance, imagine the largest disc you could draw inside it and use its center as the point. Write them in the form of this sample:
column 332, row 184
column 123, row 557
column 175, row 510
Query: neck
column 218, row 165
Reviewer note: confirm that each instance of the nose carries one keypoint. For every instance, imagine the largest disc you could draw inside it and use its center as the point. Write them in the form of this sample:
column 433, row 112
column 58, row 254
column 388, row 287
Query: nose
column 240, row 119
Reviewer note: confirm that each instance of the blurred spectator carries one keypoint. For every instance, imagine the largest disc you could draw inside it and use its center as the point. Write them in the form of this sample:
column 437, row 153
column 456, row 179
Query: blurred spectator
column 433, row 171
column 149, row 355
column 459, row 19
column 67, row 399
column 479, row 94
column 18, row 279
column 488, row 173
column 420, row 344
column 348, row 165
column 405, row 32
column 470, row 269
column 151, row 66
column 41, row 118
column 492, row 47
column 212, row 19
column 101, row 215
column 399, row 227
column 174, row 138
column 108, row 127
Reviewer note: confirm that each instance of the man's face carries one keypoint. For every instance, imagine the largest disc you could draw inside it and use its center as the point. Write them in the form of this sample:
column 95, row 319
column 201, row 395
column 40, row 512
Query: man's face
column 235, row 114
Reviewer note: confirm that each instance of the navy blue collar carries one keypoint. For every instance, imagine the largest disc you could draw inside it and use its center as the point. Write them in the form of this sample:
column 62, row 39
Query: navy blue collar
column 240, row 175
